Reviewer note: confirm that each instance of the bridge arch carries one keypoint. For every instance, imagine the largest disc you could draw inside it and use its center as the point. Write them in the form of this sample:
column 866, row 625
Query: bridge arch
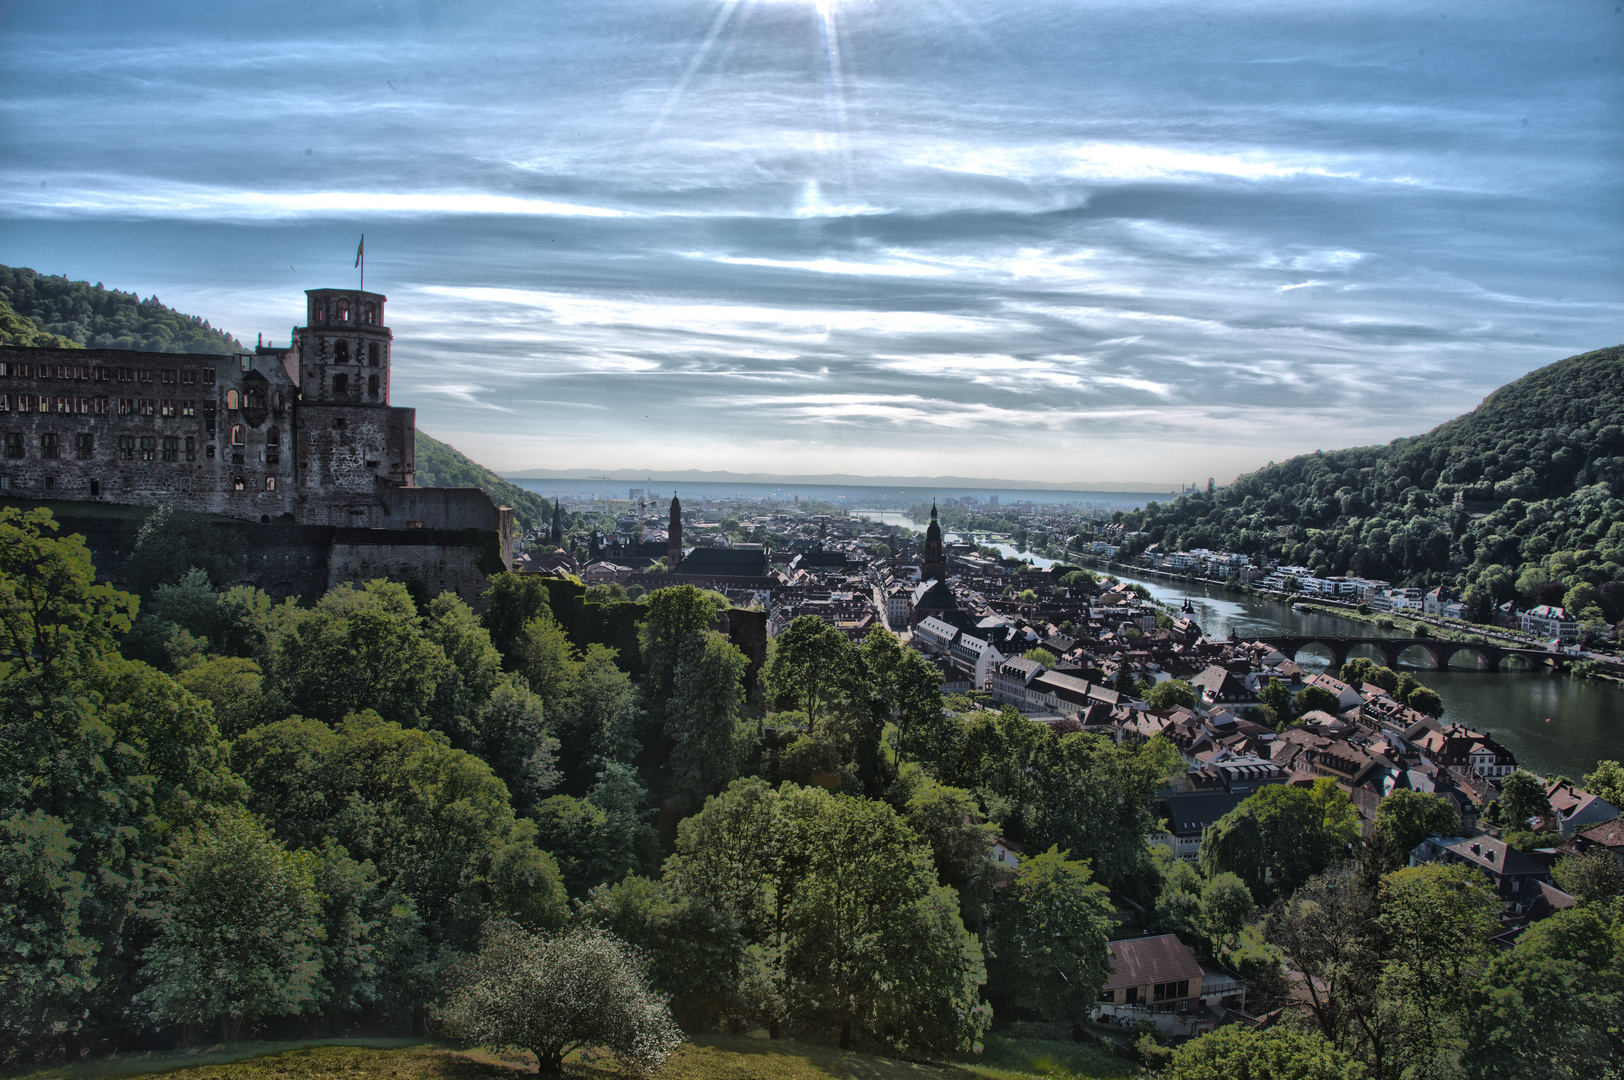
column 1421, row 654
column 1333, row 652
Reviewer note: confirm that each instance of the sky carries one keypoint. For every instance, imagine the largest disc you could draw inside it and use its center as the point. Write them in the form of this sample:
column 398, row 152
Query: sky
column 1023, row 239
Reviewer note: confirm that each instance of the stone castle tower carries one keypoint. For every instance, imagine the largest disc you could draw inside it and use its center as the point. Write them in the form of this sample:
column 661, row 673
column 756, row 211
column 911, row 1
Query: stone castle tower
column 935, row 561
column 673, row 553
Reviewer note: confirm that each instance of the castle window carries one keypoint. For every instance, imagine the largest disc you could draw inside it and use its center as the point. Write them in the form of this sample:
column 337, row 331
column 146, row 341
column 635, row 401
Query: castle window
column 233, row 400
column 149, row 447
column 85, row 445
column 341, row 384
column 146, row 406
column 23, row 371
column 343, row 311
column 236, row 483
column 188, row 377
column 208, row 376
column 84, row 372
column 126, row 483
column 14, row 444
column 315, row 311
column 188, row 408
column 102, row 374
column 143, row 375
column 126, row 406
column 82, row 405
column 341, row 352
column 276, row 401
column 5, row 369
column 372, row 354
column 126, row 448
column 64, row 403
column 5, row 402
column 186, row 483
column 369, row 314
column 126, row 374
column 5, row 483
column 273, row 436
column 171, row 448
column 270, row 483
column 63, row 371
column 256, row 399
column 245, row 362
column 167, row 409
column 209, row 453
column 169, row 377
column 372, row 386
column 191, row 448
column 45, row 371
column 236, row 434
column 47, row 445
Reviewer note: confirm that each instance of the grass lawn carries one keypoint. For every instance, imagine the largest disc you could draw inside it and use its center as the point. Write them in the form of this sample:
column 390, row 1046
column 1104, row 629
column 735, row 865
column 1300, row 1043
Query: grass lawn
column 709, row 1057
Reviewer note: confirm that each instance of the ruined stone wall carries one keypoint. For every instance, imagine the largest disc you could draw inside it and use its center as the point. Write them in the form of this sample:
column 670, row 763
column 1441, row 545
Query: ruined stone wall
column 438, row 560
column 115, row 426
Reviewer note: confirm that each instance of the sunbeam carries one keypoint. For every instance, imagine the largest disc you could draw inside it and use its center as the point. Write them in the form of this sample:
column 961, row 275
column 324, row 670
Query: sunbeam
column 716, row 28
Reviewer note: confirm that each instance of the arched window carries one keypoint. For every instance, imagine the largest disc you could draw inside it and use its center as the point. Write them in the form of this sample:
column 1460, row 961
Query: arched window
column 273, row 437
column 270, row 483
column 343, row 311
column 236, row 483
column 372, row 354
column 341, row 352
column 236, row 434
column 372, row 386
column 233, row 401
column 369, row 314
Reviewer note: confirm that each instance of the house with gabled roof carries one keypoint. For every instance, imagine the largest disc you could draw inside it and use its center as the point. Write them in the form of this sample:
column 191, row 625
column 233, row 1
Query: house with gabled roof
column 1159, row 978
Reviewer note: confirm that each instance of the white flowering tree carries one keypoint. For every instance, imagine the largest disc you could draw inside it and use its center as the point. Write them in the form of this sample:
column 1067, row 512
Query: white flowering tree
column 554, row 993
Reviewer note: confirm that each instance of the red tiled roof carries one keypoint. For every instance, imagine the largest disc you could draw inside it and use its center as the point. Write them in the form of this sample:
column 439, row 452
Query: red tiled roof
column 1138, row 961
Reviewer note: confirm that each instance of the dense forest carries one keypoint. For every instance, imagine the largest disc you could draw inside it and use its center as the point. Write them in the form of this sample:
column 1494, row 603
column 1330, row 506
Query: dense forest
column 1518, row 498
column 226, row 818
column 99, row 318
column 440, row 465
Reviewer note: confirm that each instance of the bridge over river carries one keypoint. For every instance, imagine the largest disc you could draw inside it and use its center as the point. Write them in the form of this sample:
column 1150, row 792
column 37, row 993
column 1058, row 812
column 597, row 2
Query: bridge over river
column 1439, row 653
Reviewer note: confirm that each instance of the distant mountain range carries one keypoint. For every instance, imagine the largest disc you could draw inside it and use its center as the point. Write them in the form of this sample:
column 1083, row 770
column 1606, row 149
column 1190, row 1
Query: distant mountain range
column 690, row 476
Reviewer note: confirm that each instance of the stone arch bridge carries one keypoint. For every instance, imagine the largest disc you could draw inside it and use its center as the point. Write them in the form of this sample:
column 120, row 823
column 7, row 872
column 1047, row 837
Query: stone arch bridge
column 1439, row 652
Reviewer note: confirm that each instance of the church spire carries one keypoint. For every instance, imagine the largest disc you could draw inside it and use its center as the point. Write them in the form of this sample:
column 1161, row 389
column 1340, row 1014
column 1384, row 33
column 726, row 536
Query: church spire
column 935, row 561
column 673, row 550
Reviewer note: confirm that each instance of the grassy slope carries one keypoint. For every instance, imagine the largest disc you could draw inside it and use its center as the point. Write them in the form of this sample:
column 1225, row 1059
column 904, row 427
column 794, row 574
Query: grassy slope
column 439, row 465
column 707, row 1058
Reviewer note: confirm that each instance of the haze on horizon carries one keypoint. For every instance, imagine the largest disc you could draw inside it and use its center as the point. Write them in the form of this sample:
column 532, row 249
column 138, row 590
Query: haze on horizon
column 1049, row 241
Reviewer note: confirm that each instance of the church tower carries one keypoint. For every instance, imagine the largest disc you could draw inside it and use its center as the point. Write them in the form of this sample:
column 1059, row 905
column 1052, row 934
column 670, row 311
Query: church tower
column 935, row 563
column 673, row 552
column 557, row 534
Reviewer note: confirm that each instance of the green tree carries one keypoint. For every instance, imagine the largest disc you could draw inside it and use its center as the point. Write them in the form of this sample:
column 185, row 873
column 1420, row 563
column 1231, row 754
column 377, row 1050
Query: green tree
column 1170, row 694
column 1522, row 797
column 553, row 993
column 598, row 721
column 1042, row 656
column 549, row 663
column 1328, row 931
column 1424, row 699
column 475, row 667
column 1233, row 1052
column 1226, row 908
column 1051, row 937
column 512, row 739
column 1361, row 670
column 434, row 821
column 1403, row 820
column 233, row 686
column 513, row 602
column 1437, row 921
column 1552, row 1007
column 702, row 721
column 951, row 823
column 1311, row 698
column 47, row 961
column 1277, row 697
column 53, row 616
column 235, row 930
column 1607, row 782
column 1294, row 832
column 671, row 637
column 361, row 649
column 910, row 688
column 812, row 667
column 1595, row 876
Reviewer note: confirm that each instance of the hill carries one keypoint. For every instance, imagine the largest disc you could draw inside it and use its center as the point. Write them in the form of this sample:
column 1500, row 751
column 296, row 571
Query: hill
column 1518, row 498
column 439, row 465
column 100, row 318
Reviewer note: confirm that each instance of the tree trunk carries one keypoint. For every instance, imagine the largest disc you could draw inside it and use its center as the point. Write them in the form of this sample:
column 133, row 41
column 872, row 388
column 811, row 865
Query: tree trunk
column 549, row 1062
column 845, row 1034
column 772, row 1028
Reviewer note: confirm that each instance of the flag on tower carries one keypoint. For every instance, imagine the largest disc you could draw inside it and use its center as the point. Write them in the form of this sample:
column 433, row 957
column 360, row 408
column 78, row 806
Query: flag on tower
column 360, row 249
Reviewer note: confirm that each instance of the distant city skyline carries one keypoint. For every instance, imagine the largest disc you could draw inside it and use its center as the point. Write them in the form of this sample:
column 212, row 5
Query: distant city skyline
column 1133, row 242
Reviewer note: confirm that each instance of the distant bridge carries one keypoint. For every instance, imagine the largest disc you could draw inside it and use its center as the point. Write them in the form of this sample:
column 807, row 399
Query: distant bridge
column 1439, row 652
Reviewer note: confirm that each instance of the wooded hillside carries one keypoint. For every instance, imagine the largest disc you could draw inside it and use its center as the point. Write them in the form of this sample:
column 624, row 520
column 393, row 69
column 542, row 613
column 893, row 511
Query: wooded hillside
column 102, row 318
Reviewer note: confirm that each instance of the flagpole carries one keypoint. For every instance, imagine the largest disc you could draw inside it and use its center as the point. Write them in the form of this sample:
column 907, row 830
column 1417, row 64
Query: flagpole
column 361, row 260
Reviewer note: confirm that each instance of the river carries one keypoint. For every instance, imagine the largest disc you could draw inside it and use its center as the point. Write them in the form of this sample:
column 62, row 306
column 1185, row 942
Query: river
column 1586, row 717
